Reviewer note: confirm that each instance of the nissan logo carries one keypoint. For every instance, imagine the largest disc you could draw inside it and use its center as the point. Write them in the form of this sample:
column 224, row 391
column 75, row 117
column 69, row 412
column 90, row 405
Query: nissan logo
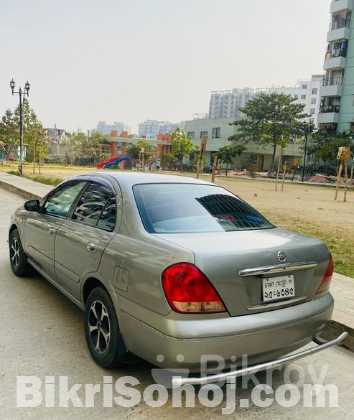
column 281, row 256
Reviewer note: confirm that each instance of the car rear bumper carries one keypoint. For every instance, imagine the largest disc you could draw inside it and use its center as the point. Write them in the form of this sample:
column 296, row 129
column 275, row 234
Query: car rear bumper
column 261, row 337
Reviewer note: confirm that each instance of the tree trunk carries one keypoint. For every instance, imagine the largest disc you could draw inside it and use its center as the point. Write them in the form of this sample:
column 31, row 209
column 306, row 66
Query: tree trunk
column 227, row 166
column 273, row 155
column 34, row 157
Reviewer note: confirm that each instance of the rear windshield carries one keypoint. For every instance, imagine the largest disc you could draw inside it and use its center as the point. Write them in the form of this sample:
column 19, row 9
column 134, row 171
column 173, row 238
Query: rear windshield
column 194, row 208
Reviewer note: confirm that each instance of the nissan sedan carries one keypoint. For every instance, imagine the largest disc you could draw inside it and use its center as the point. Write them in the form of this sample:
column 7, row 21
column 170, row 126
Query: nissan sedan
column 168, row 267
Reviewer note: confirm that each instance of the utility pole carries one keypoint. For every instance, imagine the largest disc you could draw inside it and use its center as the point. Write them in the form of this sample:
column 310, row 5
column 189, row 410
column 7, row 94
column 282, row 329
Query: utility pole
column 305, row 152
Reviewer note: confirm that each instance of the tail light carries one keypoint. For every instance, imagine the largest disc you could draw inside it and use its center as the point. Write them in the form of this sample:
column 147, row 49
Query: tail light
column 189, row 291
column 326, row 281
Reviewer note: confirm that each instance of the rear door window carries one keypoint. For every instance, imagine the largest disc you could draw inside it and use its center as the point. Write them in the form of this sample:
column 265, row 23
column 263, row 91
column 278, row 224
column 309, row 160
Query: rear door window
column 96, row 207
column 194, row 208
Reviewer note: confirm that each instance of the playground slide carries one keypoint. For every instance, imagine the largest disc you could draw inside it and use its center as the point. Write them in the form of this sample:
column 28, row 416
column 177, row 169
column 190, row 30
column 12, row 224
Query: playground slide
column 102, row 164
column 116, row 161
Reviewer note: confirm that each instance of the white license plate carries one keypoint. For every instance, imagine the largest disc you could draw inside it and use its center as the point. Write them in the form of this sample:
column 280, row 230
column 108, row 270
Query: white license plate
column 277, row 288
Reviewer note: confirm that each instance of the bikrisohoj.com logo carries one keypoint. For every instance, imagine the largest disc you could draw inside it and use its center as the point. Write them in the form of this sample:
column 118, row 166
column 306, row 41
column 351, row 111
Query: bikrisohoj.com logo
column 308, row 389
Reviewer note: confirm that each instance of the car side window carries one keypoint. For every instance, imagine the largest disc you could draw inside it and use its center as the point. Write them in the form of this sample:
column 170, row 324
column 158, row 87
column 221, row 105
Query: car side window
column 108, row 217
column 96, row 207
column 59, row 202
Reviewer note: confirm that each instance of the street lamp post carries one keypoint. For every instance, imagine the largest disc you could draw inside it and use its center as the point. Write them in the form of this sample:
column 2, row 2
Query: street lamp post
column 308, row 130
column 21, row 93
column 305, row 152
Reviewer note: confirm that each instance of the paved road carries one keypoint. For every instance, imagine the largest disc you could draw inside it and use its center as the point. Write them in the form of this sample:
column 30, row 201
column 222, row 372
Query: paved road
column 42, row 335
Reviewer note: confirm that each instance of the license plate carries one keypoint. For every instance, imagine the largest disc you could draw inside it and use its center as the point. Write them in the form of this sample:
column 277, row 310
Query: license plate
column 277, row 288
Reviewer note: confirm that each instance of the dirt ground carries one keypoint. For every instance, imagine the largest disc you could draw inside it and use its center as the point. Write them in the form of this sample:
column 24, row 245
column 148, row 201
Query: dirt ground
column 308, row 209
column 311, row 203
column 315, row 204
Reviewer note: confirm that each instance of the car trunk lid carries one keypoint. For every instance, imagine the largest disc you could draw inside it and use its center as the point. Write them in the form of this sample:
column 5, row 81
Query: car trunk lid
column 237, row 262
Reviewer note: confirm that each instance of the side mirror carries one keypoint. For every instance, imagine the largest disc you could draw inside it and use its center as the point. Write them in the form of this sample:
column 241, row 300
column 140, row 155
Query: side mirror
column 32, row 205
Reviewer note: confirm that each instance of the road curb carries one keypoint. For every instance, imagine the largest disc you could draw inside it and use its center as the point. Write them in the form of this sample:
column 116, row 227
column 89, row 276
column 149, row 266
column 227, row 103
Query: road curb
column 16, row 190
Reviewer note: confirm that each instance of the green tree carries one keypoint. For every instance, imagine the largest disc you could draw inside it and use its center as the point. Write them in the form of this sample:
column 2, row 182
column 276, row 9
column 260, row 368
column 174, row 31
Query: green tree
column 167, row 160
column 226, row 154
column 271, row 119
column 9, row 135
column 182, row 146
column 325, row 145
column 34, row 134
column 33, row 131
column 86, row 146
column 135, row 149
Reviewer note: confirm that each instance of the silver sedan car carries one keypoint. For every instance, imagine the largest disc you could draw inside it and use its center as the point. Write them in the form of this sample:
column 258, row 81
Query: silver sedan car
column 165, row 266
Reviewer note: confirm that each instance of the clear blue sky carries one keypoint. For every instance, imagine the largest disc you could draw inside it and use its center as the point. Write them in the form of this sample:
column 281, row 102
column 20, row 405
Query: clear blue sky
column 131, row 60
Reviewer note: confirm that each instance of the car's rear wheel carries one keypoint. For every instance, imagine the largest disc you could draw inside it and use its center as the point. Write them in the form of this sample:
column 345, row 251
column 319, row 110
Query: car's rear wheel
column 18, row 258
column 101, row 329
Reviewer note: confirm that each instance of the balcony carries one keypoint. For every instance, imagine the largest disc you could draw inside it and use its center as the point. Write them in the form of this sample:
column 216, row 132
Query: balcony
column 329, row 114
column 332, row 86
column 337, row 31
column 341, row 5
column 335, row 58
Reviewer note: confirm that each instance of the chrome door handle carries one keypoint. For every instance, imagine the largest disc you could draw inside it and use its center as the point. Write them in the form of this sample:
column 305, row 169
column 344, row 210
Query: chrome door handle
column 91, row 247
column 51, row 231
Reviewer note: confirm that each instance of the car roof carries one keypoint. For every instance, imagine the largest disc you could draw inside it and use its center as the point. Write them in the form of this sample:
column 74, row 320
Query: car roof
column 129, row 179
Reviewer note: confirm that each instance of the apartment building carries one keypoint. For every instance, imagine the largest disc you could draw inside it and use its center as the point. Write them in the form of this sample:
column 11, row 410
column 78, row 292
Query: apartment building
column 106, row 128
column 226, row 104
column 337, row 91
column 151, row 128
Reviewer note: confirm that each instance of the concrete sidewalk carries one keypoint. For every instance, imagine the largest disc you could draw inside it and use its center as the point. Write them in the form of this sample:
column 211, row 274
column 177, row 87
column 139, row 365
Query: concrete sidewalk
column 23, row 187
column 342, row 287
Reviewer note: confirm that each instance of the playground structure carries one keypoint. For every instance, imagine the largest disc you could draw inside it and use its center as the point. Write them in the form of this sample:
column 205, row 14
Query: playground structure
column 7, row 153
column 114, row 161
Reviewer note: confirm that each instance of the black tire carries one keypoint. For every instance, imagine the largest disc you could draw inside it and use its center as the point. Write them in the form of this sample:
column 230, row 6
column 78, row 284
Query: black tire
column 18, row 258
column 99, row 327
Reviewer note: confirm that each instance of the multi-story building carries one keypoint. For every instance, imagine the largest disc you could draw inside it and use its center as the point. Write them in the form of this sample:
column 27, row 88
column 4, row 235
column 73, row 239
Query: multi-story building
column 151, row 128
column 306, row 92
column 226, row 104
column 106, row 128
column 218, row 132
column 337, row 106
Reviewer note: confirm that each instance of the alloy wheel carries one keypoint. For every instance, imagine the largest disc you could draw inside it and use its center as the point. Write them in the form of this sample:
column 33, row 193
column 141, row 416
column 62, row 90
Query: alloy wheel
column 99, row 326
column 15, row 252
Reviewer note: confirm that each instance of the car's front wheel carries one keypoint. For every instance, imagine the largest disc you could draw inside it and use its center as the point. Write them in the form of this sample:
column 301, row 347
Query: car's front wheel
column 18, row 258
column 101, row 329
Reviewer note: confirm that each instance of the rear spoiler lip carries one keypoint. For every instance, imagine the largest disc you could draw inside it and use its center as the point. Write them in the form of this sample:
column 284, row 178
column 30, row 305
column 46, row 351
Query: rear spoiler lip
column 178, row 381
column 277, row 268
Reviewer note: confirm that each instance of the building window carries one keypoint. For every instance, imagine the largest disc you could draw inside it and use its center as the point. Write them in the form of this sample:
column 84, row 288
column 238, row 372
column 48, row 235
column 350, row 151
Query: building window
column 216, row 133
column 304, row 86
column 190, row 135
column 314, row 91
column 311, row 121
column 312, row 111
column 303, row 96
column 313, row 101
column 203, row 133
column 296, row 97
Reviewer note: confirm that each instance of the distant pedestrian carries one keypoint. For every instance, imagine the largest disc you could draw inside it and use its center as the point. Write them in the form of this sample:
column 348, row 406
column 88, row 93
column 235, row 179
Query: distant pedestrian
column 210, row 169
column 158, row 165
